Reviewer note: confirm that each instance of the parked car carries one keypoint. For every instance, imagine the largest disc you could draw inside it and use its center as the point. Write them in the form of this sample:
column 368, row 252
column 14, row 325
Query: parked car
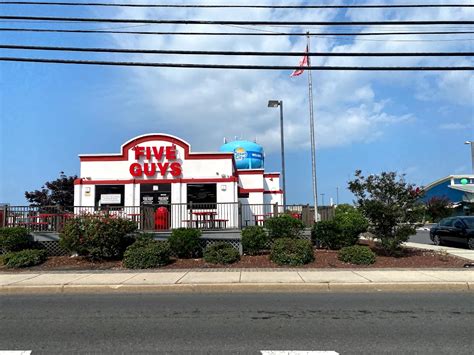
column 454, row 229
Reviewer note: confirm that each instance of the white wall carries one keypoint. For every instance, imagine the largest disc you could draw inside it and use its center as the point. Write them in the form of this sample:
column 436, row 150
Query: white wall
column 251, row 181
column 120, row 170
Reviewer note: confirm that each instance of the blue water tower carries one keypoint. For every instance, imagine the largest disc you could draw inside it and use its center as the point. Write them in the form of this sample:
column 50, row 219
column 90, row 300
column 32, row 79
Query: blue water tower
column 248, row 155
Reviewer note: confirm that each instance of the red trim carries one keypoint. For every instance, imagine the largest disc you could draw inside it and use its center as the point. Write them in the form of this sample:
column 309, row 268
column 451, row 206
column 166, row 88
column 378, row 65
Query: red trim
column 153, row 181
column 250, row 172
column 271, row 175
column 273, row 192
column 246, row 191
column 187, row 150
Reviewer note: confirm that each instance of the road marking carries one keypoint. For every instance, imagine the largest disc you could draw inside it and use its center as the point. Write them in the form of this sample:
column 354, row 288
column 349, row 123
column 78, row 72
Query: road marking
column 15, row 352
column 296, row 352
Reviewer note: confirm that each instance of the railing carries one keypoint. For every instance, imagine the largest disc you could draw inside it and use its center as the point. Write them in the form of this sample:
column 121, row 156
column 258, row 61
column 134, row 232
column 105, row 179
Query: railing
column 205, row 216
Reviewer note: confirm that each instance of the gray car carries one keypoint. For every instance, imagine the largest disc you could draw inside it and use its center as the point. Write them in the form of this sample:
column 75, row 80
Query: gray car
column 454, row 230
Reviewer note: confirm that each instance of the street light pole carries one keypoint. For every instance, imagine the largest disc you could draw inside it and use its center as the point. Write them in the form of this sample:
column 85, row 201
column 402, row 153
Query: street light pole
column 275, row 103
column 471, row 143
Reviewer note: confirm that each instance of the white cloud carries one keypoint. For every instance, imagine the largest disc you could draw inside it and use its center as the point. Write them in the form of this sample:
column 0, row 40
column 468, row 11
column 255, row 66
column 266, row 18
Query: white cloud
column 205, row 105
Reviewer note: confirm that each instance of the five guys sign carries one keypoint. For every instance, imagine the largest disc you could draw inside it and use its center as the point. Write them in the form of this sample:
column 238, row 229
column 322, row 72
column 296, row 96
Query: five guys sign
column 162, row 167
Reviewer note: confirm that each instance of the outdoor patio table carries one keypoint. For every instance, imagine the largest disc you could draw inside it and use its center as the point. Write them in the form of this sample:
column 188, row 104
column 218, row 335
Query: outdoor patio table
column 205, row 219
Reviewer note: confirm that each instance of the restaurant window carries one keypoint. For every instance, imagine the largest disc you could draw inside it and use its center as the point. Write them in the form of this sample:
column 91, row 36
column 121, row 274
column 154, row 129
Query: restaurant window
column 109, row 196
column 202, row 193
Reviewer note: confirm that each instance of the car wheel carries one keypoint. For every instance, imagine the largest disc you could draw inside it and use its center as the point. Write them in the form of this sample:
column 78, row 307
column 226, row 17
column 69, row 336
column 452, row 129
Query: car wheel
column 437, row 240
column 470, row 243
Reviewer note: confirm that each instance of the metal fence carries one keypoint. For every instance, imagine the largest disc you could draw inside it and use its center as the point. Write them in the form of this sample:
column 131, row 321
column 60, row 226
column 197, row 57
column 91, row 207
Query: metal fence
column 205, row 216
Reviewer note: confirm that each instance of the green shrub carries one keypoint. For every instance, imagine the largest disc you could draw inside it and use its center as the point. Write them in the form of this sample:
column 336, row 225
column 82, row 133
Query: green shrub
column 357, row 254
column 254, row 240
column 342, row 231
column 287, row 251
column 14, row 239
column 284, row 226
column 24, row 258
column 221, row 253
column 146, row 253
column 326, row 234
column 99, row 237
column 185, row 242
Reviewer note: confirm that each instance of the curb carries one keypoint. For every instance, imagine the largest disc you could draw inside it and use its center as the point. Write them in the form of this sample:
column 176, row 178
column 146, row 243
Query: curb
column 244, row 288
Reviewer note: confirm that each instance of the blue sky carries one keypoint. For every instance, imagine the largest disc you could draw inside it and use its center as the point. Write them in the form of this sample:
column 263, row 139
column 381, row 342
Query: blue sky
column 413, row 123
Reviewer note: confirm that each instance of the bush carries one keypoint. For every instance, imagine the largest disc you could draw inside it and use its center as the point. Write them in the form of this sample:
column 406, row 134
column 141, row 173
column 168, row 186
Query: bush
column 357, row 254
column 14, row 239
column 99, row 237
column 221, row 253
column 184, row 242
column 146, row 253
column 24, row 258
column 326, row 234
column 342, row 231
column 388, row 202
column 287, row 251
column 254, row 240
column 284, row 226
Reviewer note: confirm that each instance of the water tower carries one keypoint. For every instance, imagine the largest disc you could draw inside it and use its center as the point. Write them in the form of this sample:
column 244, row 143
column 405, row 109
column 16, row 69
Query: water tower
column 248, row 155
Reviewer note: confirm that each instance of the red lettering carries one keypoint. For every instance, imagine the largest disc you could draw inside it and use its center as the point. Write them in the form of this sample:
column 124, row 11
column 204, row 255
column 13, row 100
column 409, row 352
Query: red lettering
column 158, row 153
column 148, row 153
column 136, row 170
column 171, row 153
column 149, row 169
column 176, row 169
column 163, row 168
column 138, row 152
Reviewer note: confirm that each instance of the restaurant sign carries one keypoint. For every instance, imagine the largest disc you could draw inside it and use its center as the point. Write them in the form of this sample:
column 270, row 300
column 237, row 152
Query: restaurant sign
column 166, row 162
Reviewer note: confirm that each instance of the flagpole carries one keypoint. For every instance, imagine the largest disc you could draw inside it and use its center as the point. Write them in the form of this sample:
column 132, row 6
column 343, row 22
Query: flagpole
column 311, row 125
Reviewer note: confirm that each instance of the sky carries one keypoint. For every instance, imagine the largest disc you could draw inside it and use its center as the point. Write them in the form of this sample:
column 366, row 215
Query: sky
column 414, row 123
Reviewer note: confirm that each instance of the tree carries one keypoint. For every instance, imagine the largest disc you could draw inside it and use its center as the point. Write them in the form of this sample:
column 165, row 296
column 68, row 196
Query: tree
column 437, row 208
column 59, row 192
column 390, row 204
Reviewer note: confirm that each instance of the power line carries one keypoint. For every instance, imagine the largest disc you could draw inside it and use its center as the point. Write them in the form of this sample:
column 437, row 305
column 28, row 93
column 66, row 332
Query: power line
column 232, row 22
column 233, row 6
column 238, row 53
column 181, row 33
column 231, row 66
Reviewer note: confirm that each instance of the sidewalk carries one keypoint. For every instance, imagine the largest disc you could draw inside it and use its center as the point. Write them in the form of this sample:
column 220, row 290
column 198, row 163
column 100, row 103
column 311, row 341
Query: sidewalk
column 462, row 253
column 231, row 280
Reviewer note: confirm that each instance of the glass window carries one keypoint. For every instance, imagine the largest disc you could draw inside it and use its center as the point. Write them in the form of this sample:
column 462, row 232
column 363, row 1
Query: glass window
column 202, row 193
column 448, row 222
column 109, row 195
column 469, row 222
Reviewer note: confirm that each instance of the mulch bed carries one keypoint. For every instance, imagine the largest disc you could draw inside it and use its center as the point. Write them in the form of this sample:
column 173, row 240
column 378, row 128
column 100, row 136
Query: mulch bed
column 325, row 259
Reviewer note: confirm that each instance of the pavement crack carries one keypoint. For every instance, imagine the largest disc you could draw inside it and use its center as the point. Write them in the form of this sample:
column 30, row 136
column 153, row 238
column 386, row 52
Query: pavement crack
column 354, row 272
column 178, row 280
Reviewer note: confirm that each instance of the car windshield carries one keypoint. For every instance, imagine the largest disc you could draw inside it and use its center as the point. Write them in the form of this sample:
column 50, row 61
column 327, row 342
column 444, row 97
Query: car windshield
column 469, row 222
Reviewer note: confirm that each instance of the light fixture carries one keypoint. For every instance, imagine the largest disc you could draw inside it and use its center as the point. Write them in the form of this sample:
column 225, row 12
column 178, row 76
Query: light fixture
column 273, row 103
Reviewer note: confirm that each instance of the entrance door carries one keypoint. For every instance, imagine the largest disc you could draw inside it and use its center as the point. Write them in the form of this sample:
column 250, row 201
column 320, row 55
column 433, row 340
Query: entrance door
column 152, row 197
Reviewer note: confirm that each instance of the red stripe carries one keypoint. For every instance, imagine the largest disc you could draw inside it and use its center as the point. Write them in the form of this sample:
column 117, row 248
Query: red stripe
column 272, row 175
column 246, row 191
column 250, row 172
column 153, row 181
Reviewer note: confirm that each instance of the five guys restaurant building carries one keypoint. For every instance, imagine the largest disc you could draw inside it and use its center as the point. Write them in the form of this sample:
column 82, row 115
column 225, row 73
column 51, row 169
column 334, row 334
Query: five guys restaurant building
column 157, row 180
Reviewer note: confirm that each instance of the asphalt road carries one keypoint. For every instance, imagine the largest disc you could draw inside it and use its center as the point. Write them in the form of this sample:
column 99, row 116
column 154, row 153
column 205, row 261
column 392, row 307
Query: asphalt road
column 422, row 237
column 378, row 323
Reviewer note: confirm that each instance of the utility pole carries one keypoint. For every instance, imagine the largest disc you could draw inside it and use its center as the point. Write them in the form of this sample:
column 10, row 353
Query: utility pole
column 311, row 127
column 275, row 103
